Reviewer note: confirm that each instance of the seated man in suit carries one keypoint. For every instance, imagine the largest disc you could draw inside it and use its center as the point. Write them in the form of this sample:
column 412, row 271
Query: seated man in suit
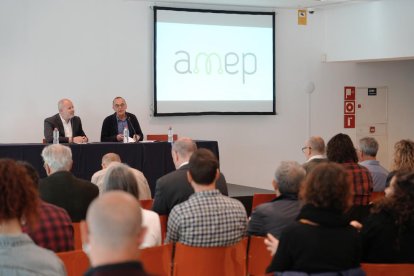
column 61, row 187
column 54, row 229
column 110, row 159
column 314, row 151
column 207, row 218
column 274, row 216
column 112, row 235
column 174, row 188
column 68, row 125
column 113, row 125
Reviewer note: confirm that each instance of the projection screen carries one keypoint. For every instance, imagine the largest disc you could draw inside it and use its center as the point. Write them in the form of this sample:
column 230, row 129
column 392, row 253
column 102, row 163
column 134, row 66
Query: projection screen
column 213, row 62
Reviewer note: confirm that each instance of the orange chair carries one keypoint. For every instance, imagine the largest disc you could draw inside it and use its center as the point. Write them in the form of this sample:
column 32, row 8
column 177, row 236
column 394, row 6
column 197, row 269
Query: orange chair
column 146, row 203
column 164, row 223
column 261, row 198
column 388, row 269
column 258, row 258
column 375, row 196
column 76, row 262
column 77, row 236
column 161, row 137
column 207, row 261
column 157, row 260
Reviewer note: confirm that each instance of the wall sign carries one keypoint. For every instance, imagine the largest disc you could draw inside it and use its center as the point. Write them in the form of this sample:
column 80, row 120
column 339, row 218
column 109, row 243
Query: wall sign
column 349, row 107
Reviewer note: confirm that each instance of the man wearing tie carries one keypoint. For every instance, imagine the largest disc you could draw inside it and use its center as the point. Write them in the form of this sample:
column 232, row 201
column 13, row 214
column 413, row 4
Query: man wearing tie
column 113, row 125
column 68, row 125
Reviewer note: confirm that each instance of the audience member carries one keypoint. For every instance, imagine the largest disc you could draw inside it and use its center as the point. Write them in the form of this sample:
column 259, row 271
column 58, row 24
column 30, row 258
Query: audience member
column 367, row 153
column 61, row 187
column 19, row 202
column 341, row 150
column 68, row 125
column 113, row 125
column 120, row 177
column 321, row 240
column 274, row 216
column 174, row 188
column 314, row 151
column 388, row 233
column 207, row 218
column 54, row 229
column 113, row 158
column 111, row 235
column 403, row 158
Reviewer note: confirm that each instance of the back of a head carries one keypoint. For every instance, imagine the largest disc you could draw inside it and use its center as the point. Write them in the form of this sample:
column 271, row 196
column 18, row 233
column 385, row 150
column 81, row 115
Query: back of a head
column 119, row 177
column 18, row 197
column 109, row 158
column 289, row 176
column 340, row 149
column 317, row 144
column 327, row 186
column 114, row 220
column 369, row 146
column 203, row 166
column 184, row 147
column 404, row 155
column 58, row 157
column 31, row 172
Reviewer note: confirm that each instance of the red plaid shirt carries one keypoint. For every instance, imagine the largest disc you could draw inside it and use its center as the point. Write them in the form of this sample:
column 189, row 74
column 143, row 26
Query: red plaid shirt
column 54, row 229
column 361, row 181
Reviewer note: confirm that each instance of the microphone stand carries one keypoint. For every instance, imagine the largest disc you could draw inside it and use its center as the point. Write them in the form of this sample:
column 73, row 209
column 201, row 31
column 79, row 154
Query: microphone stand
column 132, row 126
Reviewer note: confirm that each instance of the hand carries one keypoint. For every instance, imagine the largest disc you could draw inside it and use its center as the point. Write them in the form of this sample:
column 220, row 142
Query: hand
column 356, row 224
column 271, row 244
column 136, row 137
column 80, row 139
column 120, row 137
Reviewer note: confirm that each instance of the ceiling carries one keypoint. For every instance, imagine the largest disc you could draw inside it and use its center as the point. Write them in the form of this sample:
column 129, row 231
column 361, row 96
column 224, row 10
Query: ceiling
column 286, row 4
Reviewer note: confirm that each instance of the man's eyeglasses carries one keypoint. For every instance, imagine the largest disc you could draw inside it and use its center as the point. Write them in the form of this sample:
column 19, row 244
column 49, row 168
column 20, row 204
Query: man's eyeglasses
column 303, row 149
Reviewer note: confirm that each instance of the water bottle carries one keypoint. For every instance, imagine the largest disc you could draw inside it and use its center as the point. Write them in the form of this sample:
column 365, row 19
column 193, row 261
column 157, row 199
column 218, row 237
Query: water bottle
column 126, row 134
column 170, row 135
column 55, row 136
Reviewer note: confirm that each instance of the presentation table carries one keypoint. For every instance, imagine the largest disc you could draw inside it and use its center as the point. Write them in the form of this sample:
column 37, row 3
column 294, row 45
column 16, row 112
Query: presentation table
column 153, row 159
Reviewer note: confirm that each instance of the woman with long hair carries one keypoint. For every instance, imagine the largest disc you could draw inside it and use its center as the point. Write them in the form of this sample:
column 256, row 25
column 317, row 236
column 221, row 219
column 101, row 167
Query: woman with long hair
column 388, row 233
column 321, row 240
column 403, row 158
column 19, row 202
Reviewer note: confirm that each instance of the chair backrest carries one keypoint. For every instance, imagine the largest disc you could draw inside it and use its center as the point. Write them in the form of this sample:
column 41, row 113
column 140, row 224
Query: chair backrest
column 157, row 260
column 161, row 137
column 375, row 196
column 388, row 269
column 164, row 223
column 206, row 261
column 258, row 258
column 76, row 262
column 261, row 198
column 146, row 203
column 77, row 236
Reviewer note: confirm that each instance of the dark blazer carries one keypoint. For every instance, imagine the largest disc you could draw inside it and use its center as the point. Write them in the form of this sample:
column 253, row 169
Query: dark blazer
column 68, row 192
column 174, row 188
column 272, row 217
column 110, row 128
column 55, row 122
column 310, row 165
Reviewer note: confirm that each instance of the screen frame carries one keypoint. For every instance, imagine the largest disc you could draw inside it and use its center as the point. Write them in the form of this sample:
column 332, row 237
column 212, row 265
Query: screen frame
column 155, row 111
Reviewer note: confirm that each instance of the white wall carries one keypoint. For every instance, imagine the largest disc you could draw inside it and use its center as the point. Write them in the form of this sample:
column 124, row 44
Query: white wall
column 370, row 31
column 94, row 50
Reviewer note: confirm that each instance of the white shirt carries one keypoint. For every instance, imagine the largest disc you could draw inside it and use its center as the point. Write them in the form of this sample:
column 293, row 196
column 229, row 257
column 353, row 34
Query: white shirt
column 151, row 221
column 67, row 126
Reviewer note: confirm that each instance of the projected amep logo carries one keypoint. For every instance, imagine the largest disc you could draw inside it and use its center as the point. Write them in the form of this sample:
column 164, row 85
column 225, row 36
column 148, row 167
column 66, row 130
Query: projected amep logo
column 215, row 63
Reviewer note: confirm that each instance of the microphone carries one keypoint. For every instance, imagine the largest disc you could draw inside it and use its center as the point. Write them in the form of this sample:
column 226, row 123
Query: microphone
column 133, row 129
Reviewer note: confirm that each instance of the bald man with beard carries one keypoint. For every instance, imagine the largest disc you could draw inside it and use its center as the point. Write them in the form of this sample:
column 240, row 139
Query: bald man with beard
column 112, row 234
